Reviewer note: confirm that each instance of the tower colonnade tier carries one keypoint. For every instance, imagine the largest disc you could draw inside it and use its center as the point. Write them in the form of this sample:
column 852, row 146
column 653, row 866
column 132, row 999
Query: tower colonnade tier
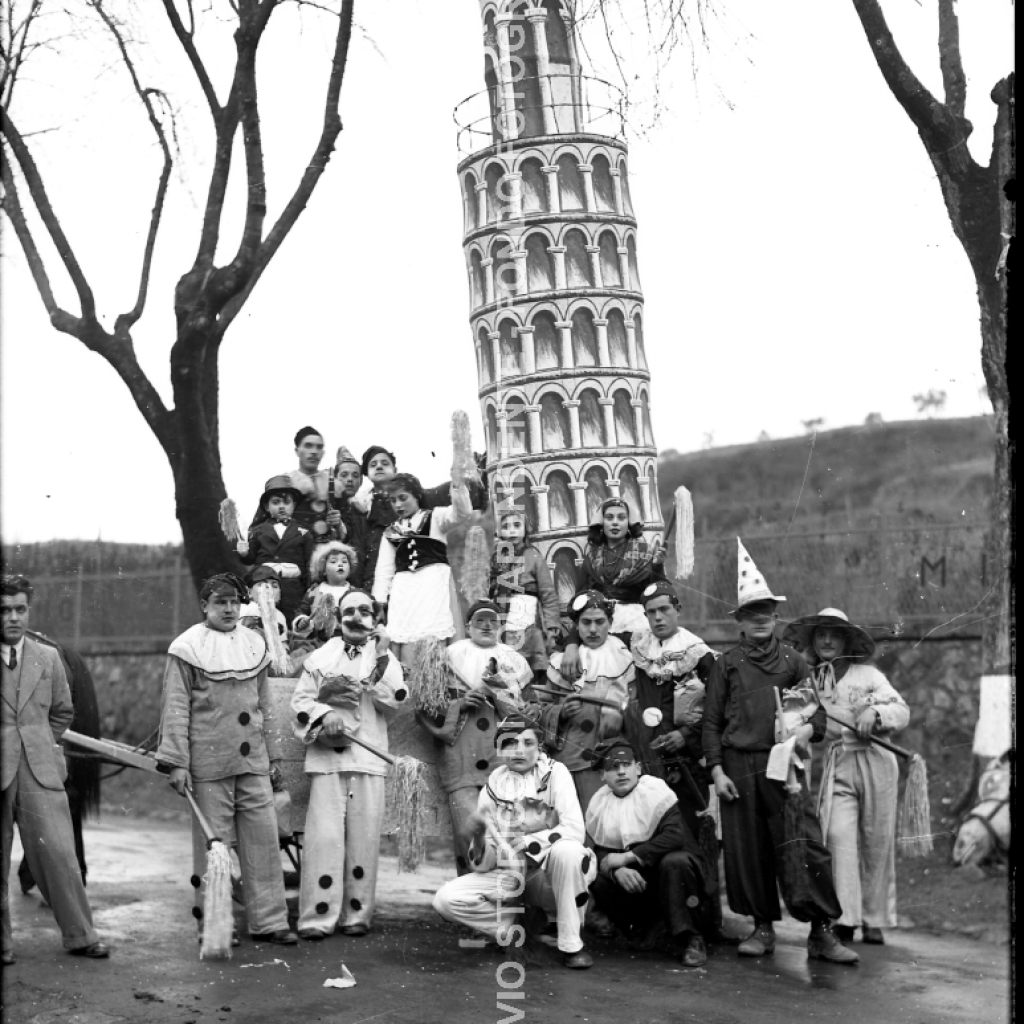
column 556, row 306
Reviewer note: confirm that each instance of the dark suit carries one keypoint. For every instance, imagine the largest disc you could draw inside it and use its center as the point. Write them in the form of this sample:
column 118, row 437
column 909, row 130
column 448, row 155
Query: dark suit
column 295, row 545
column 35, row 709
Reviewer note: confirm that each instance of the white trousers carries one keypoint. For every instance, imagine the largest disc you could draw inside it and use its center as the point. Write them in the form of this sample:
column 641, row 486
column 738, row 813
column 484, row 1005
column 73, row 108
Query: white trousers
column 486, row 901
column 340, row 850
column 861, row 836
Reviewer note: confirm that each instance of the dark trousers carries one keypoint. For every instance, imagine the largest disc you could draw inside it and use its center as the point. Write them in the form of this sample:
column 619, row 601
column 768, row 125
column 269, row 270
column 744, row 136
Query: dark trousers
column 758, row 860
column 670, row 887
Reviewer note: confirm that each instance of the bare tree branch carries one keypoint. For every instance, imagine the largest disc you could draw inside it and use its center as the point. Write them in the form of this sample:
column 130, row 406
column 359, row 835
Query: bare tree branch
column 15, row 47
column 185, row 37
column 317, row 165
column 954, row 81
column 127, row 320
column 37, row 190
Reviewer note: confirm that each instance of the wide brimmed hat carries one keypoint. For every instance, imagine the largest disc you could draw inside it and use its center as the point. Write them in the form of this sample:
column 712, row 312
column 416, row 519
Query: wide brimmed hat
column 751, row 586
column 800, row 633
column 277, row 484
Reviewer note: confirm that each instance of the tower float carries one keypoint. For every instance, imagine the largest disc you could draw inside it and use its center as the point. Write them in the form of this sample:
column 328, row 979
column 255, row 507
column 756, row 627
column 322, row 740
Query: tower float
column 556, row 308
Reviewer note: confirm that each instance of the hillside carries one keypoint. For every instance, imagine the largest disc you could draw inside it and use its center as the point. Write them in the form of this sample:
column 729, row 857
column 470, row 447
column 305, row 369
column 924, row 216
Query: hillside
column 916, row 471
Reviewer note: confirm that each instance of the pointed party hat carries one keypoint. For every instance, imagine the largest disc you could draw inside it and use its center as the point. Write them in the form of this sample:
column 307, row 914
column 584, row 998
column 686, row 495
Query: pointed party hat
column 750, row 582
column 343, row 456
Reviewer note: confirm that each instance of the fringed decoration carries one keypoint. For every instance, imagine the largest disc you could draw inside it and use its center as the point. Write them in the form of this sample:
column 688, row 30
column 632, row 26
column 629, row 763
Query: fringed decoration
column 915, row 816
column 409, row 784
column 430, row 677
column 322, row 613
column 268, row 613
column 684, row 547
column 708, row 839
column 228, row 516
column 464, row 467
column 217, row 913
column 476, row 566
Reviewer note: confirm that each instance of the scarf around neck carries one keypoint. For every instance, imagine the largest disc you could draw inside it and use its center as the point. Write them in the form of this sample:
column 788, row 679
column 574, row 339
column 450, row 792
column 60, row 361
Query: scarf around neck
column 625, row 567
column 673, row 658
column 767, row 656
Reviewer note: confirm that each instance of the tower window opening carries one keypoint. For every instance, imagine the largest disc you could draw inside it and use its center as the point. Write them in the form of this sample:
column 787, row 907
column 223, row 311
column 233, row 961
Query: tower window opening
column 570, row 183
column 604, row 189
column 560, row 500
column 584, row 338
column 610, row 274
column 592, row 432
column 555, row 426
column 577, row 260
column 618, row 345
column 540, row 275
column 596, row 479
column 534, row 187
column 547, row 344
column 625, row 429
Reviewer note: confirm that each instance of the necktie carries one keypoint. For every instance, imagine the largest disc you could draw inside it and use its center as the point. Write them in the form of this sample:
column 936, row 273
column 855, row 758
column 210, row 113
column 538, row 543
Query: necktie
column 14, row 659
column 352, row 650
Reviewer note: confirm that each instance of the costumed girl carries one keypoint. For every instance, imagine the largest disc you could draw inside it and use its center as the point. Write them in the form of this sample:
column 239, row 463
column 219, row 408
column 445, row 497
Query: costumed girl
column 521, row 585
column 329, row 571
column 858, row 793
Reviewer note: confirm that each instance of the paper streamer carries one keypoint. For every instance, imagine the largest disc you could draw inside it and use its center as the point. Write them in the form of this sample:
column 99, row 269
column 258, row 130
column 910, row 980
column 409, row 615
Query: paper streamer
column 684, row 534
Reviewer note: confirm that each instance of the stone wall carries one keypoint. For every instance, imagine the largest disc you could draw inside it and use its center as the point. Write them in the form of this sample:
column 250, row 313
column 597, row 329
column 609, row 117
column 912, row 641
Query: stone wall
column 128, row 688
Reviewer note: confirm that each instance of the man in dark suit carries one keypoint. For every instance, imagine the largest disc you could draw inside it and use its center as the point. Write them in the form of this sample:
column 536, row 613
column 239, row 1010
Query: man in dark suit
column 35, row 709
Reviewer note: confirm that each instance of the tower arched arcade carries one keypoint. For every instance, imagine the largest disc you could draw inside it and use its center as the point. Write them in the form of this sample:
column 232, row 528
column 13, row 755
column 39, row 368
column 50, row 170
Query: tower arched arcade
column 556, row 306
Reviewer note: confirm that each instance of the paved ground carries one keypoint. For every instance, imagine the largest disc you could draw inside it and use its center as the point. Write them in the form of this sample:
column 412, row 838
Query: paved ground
column 410, row 970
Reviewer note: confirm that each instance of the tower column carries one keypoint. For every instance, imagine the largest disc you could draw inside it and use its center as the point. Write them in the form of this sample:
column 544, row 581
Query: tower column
column 554, row 196
column 614, row 485
column 631, row 357
column 579, row 496
column 565, row 334
column 604, row 357
column 594, row 252
column 538, row 16
column 645, row 497
column 487, row 264
column 624, row 265
column 573, row 405
column 501, row 415
column 526, row 340
column 558, row 255
column 509, row 122
column 481, row 203
column 495, row 337
column 607, row 407
column 519, row 255
column 617, row 185
column 533, row 415
column 515, row 194
column 638, row 419
column 543, row 511
column 587, row 170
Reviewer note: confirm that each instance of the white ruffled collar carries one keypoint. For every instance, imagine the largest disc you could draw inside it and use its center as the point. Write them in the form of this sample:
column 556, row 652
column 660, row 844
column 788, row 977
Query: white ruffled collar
column 621, row 822
column 237, row 654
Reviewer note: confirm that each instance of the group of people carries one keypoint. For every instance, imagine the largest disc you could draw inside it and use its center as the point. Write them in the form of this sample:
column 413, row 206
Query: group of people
column 584, row 765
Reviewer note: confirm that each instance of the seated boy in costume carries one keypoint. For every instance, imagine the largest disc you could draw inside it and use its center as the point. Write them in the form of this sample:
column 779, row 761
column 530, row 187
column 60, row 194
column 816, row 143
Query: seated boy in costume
column 250, row 614
column 770, row 833
column 330, row 569
column 650, row 870
column 551, row 860
column 487, row 675
column 573, row 728
column 281, row 543
column 215, row 740
column 350, row 687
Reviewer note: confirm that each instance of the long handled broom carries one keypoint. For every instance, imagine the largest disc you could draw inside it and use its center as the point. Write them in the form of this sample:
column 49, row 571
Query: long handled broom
column 218, row 921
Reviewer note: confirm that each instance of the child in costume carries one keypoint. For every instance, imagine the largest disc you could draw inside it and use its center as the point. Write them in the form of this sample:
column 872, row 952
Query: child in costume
column 348, row 687
column 330, row 570
column 572, row 730
column 544, row 860
column 858, row 793
column 348, row 479
column 760, row 817
column 249, row 615
column 650, row 870
column 521, row 584
column 488, row 675
column 215, row 740
column 281, row 543
column 413, row 576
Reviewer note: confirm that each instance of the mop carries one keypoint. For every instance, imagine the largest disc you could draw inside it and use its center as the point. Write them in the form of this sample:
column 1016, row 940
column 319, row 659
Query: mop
column 218, row 920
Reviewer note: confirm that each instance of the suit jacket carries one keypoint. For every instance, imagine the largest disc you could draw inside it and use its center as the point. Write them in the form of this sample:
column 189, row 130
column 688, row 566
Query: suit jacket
column 33, row 717
column 294, row 545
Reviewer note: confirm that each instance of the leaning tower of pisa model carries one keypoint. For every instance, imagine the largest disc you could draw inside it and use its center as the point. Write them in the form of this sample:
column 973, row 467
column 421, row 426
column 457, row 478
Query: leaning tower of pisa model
column 555, row 302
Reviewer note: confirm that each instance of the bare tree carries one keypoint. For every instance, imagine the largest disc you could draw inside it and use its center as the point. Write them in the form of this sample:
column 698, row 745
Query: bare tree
column 208, row 296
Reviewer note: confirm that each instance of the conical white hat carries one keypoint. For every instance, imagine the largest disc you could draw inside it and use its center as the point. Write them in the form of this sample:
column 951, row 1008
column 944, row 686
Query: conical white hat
column 751, row 585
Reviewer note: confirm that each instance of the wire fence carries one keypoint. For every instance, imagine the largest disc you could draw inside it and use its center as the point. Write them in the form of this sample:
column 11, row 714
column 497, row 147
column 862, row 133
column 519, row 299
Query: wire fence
column 908, row 582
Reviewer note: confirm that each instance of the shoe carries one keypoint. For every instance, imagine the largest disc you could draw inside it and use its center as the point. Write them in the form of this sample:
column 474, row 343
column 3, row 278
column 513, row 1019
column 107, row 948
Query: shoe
column 760, row 942
column 355, row 930
column 578, row 961
column 282, row 937
column 312, row 934
column 843, row 932
column 822, row 944
column 7, row 959
column 97, row 951
column 872, row 936
column 695, row 954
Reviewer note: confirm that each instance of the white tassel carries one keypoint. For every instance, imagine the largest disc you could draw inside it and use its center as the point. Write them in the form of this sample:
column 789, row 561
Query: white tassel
column 228, row 516
column 218, row 921
column 464, row 467
column 475, row 566
column 684, row 534
column 268, row 613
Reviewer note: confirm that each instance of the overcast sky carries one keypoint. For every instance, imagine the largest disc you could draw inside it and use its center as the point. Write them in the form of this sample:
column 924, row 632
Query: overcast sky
column 794, row 251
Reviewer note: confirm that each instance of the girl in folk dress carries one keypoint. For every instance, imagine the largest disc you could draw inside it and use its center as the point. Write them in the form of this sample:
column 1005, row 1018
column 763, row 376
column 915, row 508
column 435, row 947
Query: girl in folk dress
column 857, row 798
column 413, row 576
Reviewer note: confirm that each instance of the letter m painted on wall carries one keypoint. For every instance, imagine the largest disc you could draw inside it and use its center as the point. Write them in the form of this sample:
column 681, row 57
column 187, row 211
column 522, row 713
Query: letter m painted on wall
column 938, row 566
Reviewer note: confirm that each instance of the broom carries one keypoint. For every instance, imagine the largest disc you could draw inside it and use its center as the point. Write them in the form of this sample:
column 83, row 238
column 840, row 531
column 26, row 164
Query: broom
column 228, row 516
column 430, row 677
column 682, row 519
column 268, row 613
column 475, row 566
column 915, row 814
column 218, row 922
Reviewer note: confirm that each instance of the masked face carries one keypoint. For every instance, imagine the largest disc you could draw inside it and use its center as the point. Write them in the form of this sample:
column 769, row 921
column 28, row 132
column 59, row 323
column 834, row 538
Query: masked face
column 483, row 628
column 357, row 620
